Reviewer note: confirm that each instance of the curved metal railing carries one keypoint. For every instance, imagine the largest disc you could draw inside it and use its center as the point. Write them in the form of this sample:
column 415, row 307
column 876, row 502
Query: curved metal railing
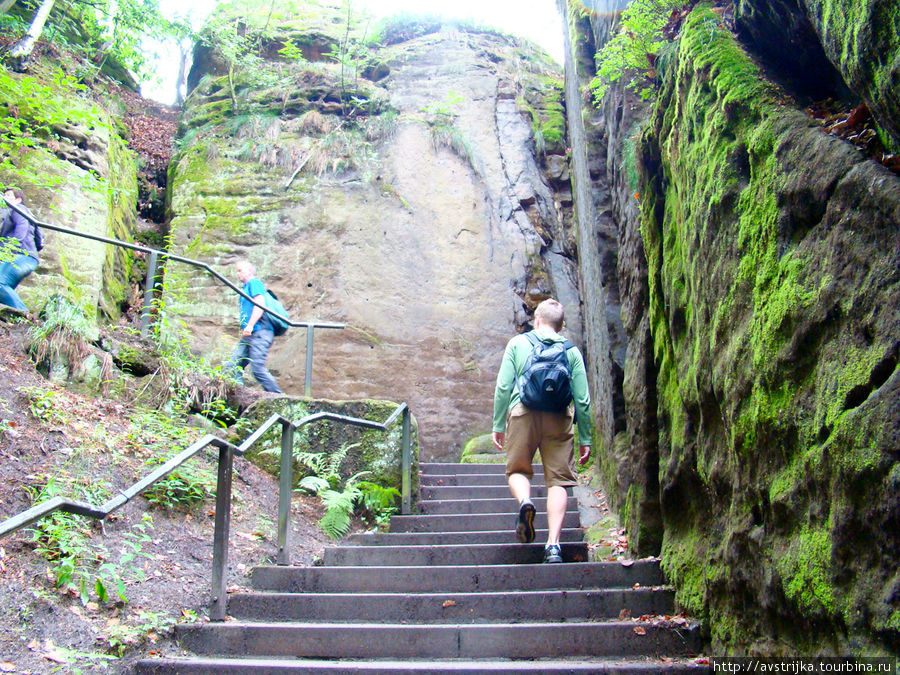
column 156, row 256
column 227, row 451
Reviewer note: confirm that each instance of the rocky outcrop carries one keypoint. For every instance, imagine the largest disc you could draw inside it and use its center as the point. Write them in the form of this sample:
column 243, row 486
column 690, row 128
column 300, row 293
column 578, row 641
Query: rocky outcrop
column 760, row 307
column 82, row 178
column 773, row 305
column 413, row 209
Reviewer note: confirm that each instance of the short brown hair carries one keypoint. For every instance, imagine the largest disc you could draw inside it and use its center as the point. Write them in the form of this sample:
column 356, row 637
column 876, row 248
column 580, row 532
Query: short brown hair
column 550, row 311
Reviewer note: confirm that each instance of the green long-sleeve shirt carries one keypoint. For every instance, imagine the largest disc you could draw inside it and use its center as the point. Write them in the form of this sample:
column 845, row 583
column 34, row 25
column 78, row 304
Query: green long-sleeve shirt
column 506, row 394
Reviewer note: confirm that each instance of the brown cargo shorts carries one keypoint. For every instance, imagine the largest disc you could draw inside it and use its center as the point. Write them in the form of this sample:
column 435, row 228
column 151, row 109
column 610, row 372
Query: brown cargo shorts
column 526, row 430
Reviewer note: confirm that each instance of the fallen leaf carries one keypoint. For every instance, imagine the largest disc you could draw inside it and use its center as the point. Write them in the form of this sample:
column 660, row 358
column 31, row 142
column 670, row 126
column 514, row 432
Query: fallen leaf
column 624, row 614
column 7, row 667
column 52, row 653
column 449, row 603
column 625, row 562
column 33, row 645
column 640, row 630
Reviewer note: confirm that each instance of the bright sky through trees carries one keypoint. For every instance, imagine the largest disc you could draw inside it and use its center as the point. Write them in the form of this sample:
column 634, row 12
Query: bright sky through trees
column 536, row 20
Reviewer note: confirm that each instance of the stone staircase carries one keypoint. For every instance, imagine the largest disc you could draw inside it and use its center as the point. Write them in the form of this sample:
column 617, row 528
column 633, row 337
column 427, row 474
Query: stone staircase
column 448, row 590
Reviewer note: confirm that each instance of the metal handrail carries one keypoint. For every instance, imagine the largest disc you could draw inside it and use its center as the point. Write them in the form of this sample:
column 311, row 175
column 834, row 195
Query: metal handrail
column 156, row 255
column 227, row 451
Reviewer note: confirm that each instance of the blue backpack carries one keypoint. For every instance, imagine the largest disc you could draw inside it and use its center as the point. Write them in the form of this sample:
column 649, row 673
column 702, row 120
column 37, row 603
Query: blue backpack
column 546, row 382
column 280, row 322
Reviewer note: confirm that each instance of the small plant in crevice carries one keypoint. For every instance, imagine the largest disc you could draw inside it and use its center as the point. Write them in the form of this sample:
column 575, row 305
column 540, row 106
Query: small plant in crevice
column 632, row 50
column 343, row 498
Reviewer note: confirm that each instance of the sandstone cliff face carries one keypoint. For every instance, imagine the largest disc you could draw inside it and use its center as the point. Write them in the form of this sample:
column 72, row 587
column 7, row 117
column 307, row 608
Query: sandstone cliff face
column 83, row 178
column 420, row 216
column 761, row 383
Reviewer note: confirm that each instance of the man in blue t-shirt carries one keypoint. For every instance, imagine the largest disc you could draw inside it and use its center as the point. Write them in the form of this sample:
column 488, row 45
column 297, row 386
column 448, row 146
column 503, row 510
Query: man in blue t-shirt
column 256, row 332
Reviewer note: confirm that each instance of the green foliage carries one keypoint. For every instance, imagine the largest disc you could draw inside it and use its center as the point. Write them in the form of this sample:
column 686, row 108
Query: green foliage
column 80, row 564
column 9, row 249
column 63, row 332
column 32, row 114
column 181, row 368
column 44, row 404
column 185, row 488
column 632, row 50
column 342, row 498
column 291, row 51
column 405, row 26
column 165, row 435
column 123, row 636
column 99, row 33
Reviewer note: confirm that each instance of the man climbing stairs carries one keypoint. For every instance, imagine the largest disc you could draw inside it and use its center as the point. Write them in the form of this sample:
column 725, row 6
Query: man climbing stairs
column 448, row 590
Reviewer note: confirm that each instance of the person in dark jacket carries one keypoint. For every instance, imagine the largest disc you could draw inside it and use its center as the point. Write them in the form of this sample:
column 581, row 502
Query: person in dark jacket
column 17, row 233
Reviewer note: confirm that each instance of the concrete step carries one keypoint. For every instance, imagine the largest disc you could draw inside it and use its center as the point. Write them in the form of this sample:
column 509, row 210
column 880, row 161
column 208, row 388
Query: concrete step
column 504, row 606
column 455, row 641
column 434, row 492
column 457, row 468
column 554, row 666
column 507, row 536
column 471, row 522
column 454, row 554
column 455, row 579
column 501, row 505
column 470, row 479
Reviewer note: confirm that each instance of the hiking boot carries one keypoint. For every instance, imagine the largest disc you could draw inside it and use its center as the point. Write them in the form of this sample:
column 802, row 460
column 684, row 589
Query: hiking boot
column 552, row 554
column 525, row 522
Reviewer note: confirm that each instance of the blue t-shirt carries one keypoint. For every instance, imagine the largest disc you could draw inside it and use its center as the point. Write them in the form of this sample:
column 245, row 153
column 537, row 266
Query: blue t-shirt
column 253, row 288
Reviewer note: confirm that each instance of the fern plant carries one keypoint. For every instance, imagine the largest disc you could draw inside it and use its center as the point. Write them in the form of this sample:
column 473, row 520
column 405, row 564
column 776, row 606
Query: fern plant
column 342, row 500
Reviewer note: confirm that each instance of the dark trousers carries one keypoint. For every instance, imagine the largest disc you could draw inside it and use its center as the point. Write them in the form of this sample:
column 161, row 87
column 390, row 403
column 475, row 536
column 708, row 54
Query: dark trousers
column 254, row 350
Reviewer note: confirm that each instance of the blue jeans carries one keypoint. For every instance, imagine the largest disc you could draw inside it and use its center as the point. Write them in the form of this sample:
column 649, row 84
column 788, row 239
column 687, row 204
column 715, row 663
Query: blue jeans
column 11, row 273
column 254, row 350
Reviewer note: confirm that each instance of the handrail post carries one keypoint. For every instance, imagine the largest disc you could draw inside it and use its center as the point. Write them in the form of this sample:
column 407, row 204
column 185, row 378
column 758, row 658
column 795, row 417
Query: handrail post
column 219, row 607
column 149, row 284
column 405, row 462
column 307, row 383
column 285, row 483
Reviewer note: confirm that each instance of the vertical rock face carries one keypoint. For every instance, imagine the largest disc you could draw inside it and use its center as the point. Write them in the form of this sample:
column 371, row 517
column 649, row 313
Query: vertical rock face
column 83, row 179
column 422, row 218
column 614, row 278
column 761, row 385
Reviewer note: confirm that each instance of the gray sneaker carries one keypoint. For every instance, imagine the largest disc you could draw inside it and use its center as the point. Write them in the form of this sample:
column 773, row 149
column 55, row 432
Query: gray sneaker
column 552, row 554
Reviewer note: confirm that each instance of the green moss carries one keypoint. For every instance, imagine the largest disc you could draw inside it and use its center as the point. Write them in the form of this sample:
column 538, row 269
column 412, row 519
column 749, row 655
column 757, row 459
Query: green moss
column 805, row 568
column 481, row 450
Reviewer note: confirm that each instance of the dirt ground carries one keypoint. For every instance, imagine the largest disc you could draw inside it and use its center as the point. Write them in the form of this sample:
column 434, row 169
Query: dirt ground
column 46, row 630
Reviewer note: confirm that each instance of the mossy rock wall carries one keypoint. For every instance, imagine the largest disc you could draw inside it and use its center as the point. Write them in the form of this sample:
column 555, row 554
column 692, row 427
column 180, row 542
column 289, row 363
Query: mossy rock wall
column 862, row 39
column 774, row 298
column 83, row 178
column 376, row 451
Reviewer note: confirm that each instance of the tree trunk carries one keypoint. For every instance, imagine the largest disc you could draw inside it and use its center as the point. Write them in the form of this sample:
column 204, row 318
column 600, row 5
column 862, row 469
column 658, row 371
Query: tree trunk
column 22, row 49
column 6, row 5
